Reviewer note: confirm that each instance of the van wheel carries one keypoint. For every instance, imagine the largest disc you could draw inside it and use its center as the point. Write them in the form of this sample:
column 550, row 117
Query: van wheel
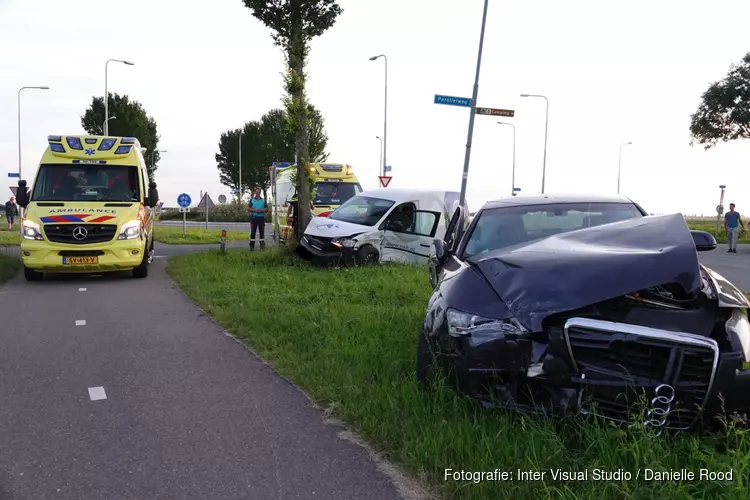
column 31, row 275
column 142, row 270
column 366, row 256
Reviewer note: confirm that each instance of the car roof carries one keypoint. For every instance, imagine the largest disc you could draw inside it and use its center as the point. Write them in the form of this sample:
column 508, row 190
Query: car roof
column 545, row 199
column 401, row 194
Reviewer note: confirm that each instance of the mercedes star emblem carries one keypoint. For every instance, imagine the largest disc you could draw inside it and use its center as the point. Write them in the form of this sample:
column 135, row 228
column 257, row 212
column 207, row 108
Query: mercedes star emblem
column 80, row 233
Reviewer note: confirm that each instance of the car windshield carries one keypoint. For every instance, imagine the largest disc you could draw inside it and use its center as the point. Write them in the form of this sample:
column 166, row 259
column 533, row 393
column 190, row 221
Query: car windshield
column 335, row 193
column 68, row 182
column 507, row 226
column 362, row 210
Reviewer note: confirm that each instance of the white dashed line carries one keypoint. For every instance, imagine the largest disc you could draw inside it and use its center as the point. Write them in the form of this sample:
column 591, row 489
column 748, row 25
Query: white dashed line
column 97, row 393
column 81, row 289
column 80, row 322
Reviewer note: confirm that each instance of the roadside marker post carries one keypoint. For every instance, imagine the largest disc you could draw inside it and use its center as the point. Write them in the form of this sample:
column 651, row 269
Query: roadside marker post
column 223, row 240
column 385, row 180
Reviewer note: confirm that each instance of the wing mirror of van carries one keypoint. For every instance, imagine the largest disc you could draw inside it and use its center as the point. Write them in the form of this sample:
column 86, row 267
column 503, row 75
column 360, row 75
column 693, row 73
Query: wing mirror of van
column 22, row 195
column 704, row 242
column 153, row 195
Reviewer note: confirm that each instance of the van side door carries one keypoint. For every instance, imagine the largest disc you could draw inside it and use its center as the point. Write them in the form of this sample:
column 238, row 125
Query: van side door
column 407, row 234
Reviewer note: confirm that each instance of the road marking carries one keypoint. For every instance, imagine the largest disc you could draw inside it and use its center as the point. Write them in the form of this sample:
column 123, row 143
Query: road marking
column 159, row 256
column 80, row 322
column 81, row 289
column 97, row 393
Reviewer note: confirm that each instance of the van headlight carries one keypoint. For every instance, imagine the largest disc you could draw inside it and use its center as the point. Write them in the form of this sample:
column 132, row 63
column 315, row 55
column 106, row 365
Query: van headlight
column 130, row 230
column 32, row 231
column 344, row 243
column 480, row 329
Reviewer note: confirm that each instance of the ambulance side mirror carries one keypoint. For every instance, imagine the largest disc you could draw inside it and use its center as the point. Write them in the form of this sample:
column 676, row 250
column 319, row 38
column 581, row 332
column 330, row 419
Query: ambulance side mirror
column 22, row 195
column 153, row 195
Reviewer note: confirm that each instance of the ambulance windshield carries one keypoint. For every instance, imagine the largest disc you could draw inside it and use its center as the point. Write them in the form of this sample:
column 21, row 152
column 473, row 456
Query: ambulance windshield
column 96, row 183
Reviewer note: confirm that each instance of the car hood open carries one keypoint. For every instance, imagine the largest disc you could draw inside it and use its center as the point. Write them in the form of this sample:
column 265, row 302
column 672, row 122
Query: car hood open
column 579, row 268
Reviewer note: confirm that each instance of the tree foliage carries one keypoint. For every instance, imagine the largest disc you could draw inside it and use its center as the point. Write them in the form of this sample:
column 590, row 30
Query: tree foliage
column 131, row 120
column 724, row 112
column 263, row 142
column 294, row 23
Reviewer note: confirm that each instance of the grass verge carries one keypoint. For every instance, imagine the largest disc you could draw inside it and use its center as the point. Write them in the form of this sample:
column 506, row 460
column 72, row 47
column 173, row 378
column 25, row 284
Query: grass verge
column 348, row 338
column 8, row 267
column 195, row 235
column 710, row 227
column 10, row 237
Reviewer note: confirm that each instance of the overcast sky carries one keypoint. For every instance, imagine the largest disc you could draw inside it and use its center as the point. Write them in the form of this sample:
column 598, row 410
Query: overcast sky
column 613, row 72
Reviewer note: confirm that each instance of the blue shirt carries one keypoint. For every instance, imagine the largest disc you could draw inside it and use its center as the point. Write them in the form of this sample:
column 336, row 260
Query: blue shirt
column 732, row 219
column 257, row 203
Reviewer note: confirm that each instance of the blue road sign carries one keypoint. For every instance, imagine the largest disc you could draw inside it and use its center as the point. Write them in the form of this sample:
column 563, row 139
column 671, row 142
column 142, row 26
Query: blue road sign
column 387, row 168
column 720, row 187
column 184, row 200
column 282, row 164
column 14, row 175
column 453, row 101
column 516, row 189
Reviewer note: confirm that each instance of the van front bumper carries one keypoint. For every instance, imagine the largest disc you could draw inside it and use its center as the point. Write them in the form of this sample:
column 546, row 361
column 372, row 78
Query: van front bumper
column 328, row 255
column 44, row 256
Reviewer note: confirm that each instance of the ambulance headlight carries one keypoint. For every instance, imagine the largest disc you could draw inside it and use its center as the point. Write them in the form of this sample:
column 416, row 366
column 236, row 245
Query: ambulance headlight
column 130, row 230
column 32, row 231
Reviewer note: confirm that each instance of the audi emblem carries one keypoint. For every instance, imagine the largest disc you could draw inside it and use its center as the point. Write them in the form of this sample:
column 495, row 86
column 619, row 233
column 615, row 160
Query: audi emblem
column 661, row 405
column 80, row 233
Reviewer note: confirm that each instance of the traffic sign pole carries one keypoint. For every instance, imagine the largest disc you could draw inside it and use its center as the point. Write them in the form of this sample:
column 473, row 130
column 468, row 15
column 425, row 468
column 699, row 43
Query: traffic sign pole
column 474, row 95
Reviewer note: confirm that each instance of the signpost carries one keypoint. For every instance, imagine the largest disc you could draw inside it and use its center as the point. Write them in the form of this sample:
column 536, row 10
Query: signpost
column 450, row 100
column 385, row 180
column 720, row 208
column 184, row 201
column 282, row 164
column 496, row 112
column 222, row 199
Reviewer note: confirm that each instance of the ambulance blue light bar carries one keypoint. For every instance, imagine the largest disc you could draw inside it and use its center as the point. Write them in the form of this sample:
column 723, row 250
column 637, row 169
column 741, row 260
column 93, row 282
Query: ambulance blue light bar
column 107, row 144
column 74, row 143
column 56, row 147
column 128, row 140
column 90, row 140
column 54, row 138
column 121, row 150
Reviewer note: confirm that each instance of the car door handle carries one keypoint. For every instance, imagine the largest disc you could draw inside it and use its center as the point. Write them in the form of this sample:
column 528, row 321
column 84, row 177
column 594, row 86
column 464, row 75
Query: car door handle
column 424, row 245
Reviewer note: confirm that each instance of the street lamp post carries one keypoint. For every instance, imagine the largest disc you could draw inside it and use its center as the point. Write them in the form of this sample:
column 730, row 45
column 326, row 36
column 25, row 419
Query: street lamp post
column 381, row 151
column 473, row 111
column 106, row 92
column 546, row 122
column 153, row 153
column 513, row 175
column 19, row 124
column 619, row 164
column 385, row 112
column 104, row 125
column 239, row 183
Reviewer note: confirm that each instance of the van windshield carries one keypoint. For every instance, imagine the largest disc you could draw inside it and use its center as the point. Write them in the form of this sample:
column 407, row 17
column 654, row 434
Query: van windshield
column 335, row 193
column 66, row 182
column 362, row 210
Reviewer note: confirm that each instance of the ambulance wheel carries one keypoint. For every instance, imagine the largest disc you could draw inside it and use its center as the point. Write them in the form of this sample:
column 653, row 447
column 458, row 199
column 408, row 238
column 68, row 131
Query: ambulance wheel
column 31, row 275
column 142, row 270
column 367, row 255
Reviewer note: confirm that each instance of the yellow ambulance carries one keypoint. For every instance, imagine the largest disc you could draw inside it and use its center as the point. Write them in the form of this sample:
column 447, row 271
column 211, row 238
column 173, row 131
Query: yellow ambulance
column 89, row 209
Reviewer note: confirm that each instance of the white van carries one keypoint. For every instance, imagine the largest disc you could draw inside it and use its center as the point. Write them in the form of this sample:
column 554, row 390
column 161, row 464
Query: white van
column 380, row 225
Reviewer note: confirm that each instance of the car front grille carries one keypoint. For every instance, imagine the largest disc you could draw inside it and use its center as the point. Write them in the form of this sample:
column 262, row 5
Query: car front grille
column 320, row 244
column 618, row 363
column 80, row 234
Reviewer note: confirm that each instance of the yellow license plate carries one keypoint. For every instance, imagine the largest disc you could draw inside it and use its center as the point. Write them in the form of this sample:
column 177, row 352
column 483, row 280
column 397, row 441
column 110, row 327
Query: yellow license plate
column 80, row 260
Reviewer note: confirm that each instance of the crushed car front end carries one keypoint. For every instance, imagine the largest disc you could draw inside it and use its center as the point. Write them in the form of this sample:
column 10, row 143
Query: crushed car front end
column 620, row 321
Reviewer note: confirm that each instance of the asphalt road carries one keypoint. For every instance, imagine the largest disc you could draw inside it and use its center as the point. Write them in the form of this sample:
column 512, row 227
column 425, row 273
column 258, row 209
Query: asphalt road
column 733, row 266
column 118, row 388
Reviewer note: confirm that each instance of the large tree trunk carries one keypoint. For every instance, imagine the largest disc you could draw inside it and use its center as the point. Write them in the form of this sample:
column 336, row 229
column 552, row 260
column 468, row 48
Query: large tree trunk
column 296, row 57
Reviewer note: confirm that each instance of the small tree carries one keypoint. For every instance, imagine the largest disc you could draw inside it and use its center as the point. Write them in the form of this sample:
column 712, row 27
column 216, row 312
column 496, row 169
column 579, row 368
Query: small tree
column 131, row 121
column 294, row 24
column 724, row 112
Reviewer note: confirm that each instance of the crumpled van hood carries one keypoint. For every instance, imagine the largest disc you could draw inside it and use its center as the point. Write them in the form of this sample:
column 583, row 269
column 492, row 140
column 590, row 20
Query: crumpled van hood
column 579, row 268
column 329, row 228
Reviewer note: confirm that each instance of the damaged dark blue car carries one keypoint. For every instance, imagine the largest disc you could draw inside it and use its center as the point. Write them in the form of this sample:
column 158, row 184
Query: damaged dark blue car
column 585, row 305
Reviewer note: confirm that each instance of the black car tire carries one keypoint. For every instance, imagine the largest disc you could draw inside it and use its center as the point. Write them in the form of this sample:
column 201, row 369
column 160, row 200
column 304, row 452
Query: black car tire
column 142, row 270
column 31, row 275
column 367, row 255
column 425, row 363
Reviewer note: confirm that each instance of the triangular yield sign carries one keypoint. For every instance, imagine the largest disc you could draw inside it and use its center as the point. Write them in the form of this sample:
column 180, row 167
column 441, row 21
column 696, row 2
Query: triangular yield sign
column 385, row 180
column 202, row 203
column 14, row 190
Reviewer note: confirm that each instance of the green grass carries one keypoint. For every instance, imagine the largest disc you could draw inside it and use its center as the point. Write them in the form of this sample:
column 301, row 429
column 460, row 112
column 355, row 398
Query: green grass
column 8, row 267
column 195, row 235
column 10, row 237
column 348, row 338
column 711, row 228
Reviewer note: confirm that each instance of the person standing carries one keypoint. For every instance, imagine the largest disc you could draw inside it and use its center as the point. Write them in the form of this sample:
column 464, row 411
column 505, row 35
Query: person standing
column 11, row 211
column 732, row 224
column 257, row 209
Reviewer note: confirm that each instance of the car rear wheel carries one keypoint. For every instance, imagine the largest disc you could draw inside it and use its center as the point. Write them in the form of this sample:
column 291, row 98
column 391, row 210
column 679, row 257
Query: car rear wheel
column 31, row 275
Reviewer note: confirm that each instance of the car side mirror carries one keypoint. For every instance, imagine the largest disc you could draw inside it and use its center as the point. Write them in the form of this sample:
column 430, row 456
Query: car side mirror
column 153, row 195
column 704, row 241
column 22, row 195
column 440, row 251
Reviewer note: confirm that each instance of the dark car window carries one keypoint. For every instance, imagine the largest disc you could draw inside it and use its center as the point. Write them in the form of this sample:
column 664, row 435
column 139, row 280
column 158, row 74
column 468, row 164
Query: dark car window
column 507, row 226
column 362, row 210
column 68, row 182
